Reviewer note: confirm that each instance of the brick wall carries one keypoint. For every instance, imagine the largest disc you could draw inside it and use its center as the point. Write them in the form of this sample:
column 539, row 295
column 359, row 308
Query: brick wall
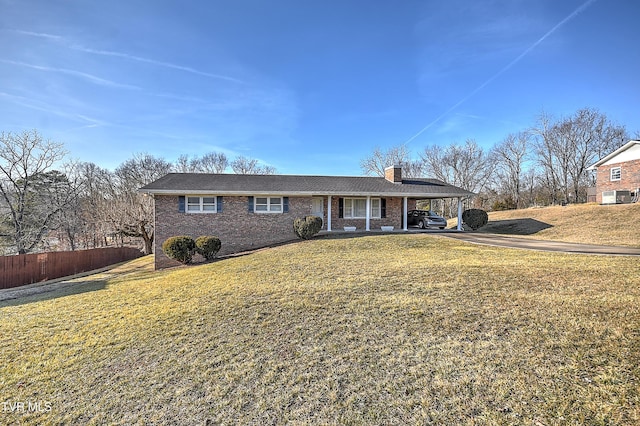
column 629, row 178
column 240, row 230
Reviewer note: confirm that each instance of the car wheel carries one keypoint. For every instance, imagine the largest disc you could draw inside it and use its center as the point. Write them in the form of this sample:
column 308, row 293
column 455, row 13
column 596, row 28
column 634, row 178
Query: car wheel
column 421, row 225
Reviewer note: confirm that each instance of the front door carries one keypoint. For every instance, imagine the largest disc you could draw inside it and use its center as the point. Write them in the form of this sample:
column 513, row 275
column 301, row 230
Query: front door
column 317, row 208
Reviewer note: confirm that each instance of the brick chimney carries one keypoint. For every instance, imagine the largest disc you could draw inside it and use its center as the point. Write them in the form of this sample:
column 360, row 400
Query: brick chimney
column 393, row 174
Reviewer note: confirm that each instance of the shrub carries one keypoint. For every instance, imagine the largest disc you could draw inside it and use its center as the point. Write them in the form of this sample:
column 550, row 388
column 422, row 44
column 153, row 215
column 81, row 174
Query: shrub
column 180, row 248
column 208, row 247
column 307, row 227
column 475, row 218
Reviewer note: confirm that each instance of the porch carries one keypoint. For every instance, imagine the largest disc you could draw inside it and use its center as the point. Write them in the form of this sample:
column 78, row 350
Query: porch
column 368, row 213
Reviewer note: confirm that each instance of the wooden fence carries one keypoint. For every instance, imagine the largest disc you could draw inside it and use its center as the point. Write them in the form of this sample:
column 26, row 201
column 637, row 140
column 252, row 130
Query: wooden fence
column 31, row 268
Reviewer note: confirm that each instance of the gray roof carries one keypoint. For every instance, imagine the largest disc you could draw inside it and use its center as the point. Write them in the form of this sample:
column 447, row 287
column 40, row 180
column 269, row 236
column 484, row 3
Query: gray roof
column 234, row 184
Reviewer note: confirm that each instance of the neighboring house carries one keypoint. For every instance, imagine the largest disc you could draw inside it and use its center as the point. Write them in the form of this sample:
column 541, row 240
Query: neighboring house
column 618, row 175
column 251, row 211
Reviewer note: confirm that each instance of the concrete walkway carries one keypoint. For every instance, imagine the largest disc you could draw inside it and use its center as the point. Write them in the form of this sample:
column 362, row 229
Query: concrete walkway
column 530, row 244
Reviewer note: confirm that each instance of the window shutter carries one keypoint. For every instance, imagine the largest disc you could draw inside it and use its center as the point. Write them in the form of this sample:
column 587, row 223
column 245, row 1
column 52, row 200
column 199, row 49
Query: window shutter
column 340, row 207
column 250, row 204
column 181, row 203
column 285, row 204
column 383, row 208
column 219, row 203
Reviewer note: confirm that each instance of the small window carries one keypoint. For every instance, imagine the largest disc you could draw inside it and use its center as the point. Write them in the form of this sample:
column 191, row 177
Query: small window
column 616, row 173
column 197, row 204
column 268, row 205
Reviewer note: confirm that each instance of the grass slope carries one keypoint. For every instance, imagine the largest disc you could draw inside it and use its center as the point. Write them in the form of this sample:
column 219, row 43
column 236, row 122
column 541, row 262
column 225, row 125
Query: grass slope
column 576, row 223
column 396, row 329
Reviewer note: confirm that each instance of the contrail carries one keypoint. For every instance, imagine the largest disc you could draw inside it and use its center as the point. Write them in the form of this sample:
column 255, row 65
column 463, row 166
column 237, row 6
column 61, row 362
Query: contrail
column 126, row 56
column 84, row 75
column 580, row 9
column 155, row 62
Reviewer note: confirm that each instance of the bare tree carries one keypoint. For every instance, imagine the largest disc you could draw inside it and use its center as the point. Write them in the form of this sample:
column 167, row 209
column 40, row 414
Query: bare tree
column 466, row 165
column 94, row 202
column 130, row 212
column 566, row 148
column 183, row 164
column 212, row 162
column 378, row 161
column 250, row 166
column 510, row 156
column 32, row 194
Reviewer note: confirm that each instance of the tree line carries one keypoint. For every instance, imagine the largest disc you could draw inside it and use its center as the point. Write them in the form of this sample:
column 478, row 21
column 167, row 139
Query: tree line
column 545, row 164
column 48, row 203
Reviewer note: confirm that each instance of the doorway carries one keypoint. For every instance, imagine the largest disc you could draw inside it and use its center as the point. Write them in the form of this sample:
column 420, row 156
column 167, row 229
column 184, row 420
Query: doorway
column 317, row 208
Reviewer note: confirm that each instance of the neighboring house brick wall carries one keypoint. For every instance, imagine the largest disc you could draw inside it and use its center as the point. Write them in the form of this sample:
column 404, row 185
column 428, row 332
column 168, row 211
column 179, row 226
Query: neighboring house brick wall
column 629, row 178
column 237, row 229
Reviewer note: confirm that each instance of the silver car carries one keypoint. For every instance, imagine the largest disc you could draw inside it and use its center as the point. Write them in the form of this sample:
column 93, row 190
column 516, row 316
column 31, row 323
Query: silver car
column 425, row 219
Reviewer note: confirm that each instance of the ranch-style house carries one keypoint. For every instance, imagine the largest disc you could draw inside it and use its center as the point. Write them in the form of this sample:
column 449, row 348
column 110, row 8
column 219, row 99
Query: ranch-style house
column 252, row 211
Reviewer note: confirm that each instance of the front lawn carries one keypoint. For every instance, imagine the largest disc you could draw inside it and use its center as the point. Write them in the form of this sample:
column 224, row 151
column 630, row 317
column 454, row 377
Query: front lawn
column 387, row 329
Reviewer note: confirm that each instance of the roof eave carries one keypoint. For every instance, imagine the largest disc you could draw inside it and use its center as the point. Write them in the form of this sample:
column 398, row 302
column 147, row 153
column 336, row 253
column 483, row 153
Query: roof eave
column 613, row 154
column 465, row 194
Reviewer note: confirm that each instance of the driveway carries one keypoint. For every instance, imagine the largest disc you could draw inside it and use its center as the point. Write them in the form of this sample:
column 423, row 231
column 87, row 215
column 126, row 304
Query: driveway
column 529, row 244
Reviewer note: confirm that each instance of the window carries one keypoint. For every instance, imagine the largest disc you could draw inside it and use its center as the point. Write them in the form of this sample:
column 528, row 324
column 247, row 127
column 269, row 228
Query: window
column 616, row 173
column 356, row 208
column 197, row 204
column 268, row 205
column 375, row 208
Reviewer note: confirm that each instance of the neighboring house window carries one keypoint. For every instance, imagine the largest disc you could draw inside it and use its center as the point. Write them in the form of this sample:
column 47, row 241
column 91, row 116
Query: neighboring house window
column 268, row 205
column 356, row 208
column 197, row 204
column 616, row 173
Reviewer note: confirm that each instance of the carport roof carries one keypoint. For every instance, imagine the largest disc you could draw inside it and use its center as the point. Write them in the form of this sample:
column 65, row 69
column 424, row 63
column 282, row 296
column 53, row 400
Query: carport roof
column 291, row 185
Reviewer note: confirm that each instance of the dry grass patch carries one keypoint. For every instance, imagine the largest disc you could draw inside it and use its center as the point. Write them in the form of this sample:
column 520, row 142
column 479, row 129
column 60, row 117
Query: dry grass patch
column 397, row 329
column 576, row 223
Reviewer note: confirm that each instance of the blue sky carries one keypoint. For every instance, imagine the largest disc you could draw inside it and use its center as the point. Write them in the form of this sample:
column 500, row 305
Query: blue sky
column 308, row 87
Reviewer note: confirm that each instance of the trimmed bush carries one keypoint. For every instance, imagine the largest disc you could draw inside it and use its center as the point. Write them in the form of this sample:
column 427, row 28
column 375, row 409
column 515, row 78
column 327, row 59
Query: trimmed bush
column 208, row 247
column 180, row 248
column 475, row 218
column 307, row 227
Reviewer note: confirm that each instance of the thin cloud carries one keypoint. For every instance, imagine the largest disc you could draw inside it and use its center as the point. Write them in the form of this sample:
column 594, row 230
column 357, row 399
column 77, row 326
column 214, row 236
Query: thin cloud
column 155, row 62
column 29, row 103
column 83, row 75
column 35, row 34
column 128, row 56
column 576, row 12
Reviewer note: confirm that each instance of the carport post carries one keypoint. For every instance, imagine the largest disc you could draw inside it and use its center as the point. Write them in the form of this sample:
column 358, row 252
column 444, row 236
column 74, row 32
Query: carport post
column 459, row 214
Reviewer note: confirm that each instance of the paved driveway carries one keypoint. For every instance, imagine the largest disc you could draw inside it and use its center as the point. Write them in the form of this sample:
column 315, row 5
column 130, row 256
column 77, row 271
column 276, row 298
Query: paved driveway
column 525, row 243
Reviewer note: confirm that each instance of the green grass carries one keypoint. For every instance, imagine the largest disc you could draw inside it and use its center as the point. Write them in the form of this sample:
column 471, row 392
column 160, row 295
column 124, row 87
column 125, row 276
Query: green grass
column 395, row 329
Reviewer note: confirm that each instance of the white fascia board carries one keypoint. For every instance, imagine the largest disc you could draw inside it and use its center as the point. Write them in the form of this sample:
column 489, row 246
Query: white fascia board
column 613, row 154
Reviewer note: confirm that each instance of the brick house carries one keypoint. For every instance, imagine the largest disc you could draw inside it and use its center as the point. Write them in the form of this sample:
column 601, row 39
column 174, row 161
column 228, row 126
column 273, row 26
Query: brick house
column 251, row 211
column 618, row 175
